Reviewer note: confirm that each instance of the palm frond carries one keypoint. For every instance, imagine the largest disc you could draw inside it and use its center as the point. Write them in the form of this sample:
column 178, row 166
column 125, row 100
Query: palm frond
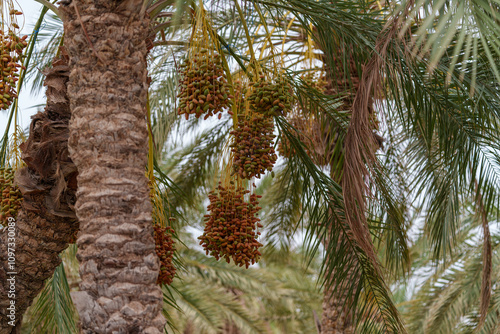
column 466, row 25
column 53, row 310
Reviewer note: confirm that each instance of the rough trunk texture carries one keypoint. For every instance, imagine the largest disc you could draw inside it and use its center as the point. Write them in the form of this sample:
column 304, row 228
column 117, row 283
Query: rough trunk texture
column 108, row 143
column 336, row 318
column 230, row 328
column 46, row 222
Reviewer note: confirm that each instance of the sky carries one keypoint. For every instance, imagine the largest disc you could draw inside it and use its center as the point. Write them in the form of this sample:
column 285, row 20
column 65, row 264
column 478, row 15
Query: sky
column 31, row 10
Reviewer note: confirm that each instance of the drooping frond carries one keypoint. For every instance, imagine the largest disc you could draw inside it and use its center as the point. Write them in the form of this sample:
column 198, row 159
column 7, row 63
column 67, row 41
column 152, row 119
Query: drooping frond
column 367, row 294
column 53, row 310
column 467, row 26
column 448, row 301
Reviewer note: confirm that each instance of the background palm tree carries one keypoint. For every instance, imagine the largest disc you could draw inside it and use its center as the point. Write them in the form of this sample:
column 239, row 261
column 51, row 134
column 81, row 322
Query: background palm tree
column 46, row 223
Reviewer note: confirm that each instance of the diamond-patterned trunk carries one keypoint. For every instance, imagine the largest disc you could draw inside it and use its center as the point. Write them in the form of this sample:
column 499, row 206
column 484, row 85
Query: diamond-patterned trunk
column 106, row 41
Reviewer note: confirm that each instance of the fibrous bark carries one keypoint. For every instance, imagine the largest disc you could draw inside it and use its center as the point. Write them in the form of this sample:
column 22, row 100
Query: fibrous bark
column 106, row 41
column 230, row 328
column 46, row 222
column 337, row 316
column 335, row 319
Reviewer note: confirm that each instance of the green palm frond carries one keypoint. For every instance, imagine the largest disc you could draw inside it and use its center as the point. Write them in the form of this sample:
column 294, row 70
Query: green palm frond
column 465, row 25
column 322, row 200
column 49, row 39
column 282, row 205
column 211, row 294
column 451, row 144
column 448, row 301
column 195, row 307
column 53, row 310
column 190, row 175
column 209, row 271
column 162, row 101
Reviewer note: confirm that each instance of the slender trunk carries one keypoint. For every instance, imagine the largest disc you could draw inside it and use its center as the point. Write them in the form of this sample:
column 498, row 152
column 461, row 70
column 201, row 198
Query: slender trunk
column 230, row 328
column 336, row 317
column 108, row 143
column 46, row 223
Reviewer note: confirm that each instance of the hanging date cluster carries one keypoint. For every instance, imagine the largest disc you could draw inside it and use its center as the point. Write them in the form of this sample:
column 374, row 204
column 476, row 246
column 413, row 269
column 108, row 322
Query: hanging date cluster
column 253, row 146
column 11, row 49
column 165, row 250
column 203, row 86
column 230, row 228
column 10, row 196
column 271, row 99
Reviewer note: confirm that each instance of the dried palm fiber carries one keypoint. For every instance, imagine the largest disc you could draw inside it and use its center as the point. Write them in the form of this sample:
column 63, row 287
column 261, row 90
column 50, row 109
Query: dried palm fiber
column 307, row 123
column 230, row 227
column 360, row 143
column 253, row 147
column 46, row 221
column 10, row 196
column 164, row 243
column 11, row 50
column 203, row 86
column 311, row 125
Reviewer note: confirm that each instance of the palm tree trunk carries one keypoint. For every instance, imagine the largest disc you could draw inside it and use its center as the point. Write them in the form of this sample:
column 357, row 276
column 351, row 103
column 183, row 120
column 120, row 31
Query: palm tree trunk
column 336, row 318
column 108, row 143
column 46, row 223
column 230, row 328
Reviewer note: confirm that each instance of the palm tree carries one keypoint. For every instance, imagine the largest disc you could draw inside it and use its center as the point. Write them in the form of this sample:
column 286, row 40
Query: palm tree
column 398, row 90
column 339, row 305
column 108, row 144
column 446, row 119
